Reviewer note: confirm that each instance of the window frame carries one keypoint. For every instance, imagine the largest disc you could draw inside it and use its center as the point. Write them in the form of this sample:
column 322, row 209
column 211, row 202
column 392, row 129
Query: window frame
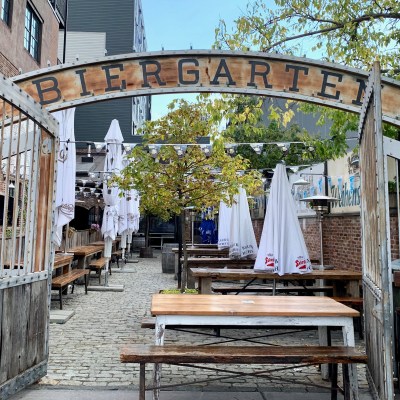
column 32, row 33
column 6, row 11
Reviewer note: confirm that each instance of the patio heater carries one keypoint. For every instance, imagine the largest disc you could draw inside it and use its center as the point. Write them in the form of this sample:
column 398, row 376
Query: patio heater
column 320, row 204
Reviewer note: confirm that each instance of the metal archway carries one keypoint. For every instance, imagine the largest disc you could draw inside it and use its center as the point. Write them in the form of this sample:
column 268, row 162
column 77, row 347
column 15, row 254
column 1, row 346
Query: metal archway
column 251, row 73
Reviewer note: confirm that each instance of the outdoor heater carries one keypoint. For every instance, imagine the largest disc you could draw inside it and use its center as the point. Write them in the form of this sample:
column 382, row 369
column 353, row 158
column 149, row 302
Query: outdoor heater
column 319, row 204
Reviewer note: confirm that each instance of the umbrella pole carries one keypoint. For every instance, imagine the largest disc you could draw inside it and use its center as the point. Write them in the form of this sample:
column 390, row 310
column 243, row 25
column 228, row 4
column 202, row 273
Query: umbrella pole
column 106, row 273
column 274, row 287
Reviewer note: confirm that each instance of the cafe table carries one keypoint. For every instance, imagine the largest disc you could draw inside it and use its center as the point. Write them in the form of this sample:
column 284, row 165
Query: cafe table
column 252, row 311
column 203, row 252
column 62, row 262
column 84, row 253
column 351, row 279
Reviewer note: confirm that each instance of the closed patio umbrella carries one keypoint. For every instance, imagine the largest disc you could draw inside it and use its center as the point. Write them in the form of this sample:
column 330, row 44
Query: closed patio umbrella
column 282, row 247
column 242, row 240
column 224, row 225
column 66, row 171
column 112, row 164
column 128, row 214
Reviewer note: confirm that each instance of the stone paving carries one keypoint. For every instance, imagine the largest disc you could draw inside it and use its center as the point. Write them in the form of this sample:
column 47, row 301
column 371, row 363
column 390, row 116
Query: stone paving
column 84, row 352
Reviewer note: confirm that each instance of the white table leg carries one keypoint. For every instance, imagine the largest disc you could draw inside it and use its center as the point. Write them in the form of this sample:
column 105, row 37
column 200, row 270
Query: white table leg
column 160, row 331
column 323, row 341
column 348, row 340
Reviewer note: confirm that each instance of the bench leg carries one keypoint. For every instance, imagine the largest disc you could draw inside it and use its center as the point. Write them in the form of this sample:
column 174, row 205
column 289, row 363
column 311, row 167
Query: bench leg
column 86, row 282
column 142, row 382
column 334, row 385
column 346, row 382
column 60, row 296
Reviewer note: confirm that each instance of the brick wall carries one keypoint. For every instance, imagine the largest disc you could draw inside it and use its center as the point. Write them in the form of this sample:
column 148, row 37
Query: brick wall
column 13, row 55
column 6, row 67
column 341, row 239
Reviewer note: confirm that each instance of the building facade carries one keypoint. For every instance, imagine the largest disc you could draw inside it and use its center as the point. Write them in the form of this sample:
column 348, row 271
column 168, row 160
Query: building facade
column 28, row 32
column 98, row 28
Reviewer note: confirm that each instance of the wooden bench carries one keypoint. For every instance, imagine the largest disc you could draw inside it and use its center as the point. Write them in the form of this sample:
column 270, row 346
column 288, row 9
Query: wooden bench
column 306, row 290
column 116, row 256
column 186, row 355
column 97, row 265
column 62, row 281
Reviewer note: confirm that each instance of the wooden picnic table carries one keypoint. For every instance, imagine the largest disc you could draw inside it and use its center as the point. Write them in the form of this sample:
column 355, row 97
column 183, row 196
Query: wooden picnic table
column 230, row 310
column 83, row 253
column 64, row 261
column 217, row 262
column 203, row 252
column 101, row 243
column 205, row 277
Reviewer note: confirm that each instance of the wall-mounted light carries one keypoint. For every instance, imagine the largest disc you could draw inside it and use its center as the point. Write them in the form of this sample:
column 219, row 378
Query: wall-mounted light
column 11, row 189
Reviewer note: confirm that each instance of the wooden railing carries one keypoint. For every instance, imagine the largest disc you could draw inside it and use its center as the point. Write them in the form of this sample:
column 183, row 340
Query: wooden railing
column 79, row 238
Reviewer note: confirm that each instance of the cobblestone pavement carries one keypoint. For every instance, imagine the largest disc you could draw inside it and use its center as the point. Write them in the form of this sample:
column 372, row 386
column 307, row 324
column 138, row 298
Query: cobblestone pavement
column 84, row 352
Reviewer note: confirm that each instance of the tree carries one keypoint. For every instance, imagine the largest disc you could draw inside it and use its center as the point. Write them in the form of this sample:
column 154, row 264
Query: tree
column 172, row 172
column 248, row 125
column 349, row 32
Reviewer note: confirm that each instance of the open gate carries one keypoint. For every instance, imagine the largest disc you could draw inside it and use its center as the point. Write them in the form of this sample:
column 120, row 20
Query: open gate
column 27, row 147
column 376, row 255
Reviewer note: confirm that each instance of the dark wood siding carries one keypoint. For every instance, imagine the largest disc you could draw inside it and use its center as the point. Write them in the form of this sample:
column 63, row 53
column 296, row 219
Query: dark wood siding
column 115, row 18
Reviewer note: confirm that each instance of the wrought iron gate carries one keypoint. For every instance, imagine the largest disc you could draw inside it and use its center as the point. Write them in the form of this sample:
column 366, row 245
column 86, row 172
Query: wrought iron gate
column 376, row 254
column 27, row 148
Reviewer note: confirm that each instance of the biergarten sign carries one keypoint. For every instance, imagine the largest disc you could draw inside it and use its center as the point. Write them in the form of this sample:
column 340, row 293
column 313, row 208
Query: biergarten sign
column 249, row 73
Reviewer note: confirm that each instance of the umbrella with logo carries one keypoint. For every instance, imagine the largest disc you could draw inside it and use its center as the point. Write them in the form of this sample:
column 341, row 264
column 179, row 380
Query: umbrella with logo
column 66, row 170
column 112, row 164
column 224, row 225
column 128, row 214
column 242, row 240
column 282, row 247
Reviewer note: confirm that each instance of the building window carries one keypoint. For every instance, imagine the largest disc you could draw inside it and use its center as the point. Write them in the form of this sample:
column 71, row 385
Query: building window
column 32, row 33
column 6, row 11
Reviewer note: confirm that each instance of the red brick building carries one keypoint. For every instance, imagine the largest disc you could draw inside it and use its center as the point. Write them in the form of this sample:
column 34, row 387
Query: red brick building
column 29, row 35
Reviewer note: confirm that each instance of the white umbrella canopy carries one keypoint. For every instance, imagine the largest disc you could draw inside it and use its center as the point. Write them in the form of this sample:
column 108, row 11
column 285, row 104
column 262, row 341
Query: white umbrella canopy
column 242, row 241
column 112, row 164
column 282, row 247
column 66, row 171
column 128, row 214
column 224, row 225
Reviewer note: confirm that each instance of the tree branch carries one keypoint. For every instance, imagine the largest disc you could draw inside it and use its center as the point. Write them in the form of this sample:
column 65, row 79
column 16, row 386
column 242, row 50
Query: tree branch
column 338, row 26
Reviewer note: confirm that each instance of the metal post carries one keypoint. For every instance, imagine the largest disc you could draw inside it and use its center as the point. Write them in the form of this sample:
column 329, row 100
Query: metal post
column 321, row 240
column 65, row 32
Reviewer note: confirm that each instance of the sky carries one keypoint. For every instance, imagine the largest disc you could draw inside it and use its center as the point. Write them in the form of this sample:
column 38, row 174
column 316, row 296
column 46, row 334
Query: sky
column 179, row 24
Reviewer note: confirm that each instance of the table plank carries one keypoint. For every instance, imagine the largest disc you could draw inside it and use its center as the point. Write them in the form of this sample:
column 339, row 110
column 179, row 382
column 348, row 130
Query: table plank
column 215, row 262
column 231, row 305
column 203, row 252
column 238, row 274
column 61, row 259
column 85, row 250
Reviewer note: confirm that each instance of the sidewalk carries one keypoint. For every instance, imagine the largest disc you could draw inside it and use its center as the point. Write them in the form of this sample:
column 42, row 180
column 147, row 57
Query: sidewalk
column 84, row 352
